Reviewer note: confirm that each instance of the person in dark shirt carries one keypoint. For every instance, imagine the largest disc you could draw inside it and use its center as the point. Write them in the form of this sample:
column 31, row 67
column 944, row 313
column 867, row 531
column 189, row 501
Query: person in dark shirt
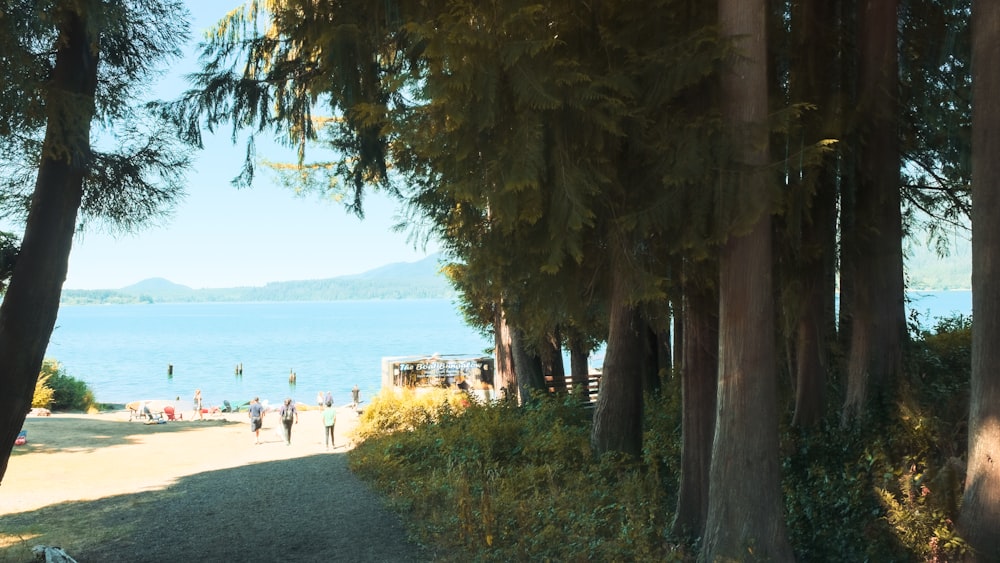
column 289, row 416
column 256, row 417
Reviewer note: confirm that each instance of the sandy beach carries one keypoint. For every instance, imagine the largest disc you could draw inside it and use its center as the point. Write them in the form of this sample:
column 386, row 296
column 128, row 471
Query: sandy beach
column 76, row 466
column 72, row 457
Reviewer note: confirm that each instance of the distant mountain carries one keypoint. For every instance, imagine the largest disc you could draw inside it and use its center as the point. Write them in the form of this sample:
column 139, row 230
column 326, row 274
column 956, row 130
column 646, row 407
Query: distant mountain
column 926, row 270
column 403, row 280
column 423, row 280
column 426, row 268
column 156, row 286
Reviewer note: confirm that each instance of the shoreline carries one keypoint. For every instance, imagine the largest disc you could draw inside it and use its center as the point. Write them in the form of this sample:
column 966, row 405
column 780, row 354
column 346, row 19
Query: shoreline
column 106, row 489
column 73, row 457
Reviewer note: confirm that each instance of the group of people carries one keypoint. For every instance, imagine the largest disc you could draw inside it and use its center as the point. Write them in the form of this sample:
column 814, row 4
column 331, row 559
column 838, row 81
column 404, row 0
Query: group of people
column 289, row 415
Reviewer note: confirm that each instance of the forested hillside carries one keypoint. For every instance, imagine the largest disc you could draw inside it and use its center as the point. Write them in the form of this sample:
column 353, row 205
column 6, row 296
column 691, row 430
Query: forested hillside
column 926, row 270
column 410, row 280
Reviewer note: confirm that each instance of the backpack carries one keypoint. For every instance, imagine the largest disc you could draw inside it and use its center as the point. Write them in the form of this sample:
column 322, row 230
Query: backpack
column 288, row 414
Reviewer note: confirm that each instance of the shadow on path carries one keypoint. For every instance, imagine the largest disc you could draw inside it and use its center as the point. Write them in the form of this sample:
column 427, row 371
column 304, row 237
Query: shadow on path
column 304, row 509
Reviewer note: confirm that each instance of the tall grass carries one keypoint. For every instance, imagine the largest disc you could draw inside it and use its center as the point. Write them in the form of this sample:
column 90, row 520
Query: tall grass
column 495, row 482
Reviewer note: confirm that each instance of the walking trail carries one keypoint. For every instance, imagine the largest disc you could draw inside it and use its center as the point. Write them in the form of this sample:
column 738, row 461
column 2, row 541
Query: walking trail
column 106, row 489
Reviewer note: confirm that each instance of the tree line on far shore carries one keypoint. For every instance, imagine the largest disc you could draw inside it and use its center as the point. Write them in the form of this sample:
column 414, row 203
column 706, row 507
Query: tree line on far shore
column 311, row 290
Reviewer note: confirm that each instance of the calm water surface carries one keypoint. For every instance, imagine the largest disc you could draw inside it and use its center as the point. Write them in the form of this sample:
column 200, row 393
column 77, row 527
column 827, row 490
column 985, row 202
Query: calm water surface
column 122, row 351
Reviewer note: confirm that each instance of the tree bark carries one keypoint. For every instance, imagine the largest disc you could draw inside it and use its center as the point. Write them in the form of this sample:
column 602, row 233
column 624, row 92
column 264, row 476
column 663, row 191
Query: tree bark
column 579, row 362
column 618, row 412
column 878, row 327
column 31, row 304
column 698, row 388
column 506, row 379
column 745, row 509
column 814, row 53
column 652, row 354
column 979, row 519
column 527, row 366
column 552, row 361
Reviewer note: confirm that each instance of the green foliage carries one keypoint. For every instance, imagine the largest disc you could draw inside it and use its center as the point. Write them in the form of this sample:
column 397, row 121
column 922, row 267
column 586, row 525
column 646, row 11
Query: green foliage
column 9, row 248
column 830, row 479
column 916, row 513
column 896, row 484
column 941, row 366
column 68, row 393
column 500, row 483
column 135, row 166
column 497, row 482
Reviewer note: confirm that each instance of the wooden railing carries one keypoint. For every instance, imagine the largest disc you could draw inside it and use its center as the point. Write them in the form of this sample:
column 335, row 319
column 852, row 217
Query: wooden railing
column 558, row 384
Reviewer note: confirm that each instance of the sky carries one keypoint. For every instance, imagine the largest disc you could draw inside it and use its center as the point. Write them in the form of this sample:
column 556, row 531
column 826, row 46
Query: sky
column 221, row 236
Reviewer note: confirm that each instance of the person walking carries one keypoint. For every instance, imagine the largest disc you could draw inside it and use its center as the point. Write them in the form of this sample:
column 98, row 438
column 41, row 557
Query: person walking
column 289, row 416
column 197, row 404
column 329, row 419
column 256, row 417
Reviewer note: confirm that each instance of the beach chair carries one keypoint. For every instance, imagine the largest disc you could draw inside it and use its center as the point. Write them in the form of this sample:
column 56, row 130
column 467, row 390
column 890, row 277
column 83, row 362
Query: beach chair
column 171, row 415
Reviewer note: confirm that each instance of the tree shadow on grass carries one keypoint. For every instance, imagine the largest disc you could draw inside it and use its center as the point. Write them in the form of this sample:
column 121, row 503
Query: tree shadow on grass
column 49, row 435
column 304, row 509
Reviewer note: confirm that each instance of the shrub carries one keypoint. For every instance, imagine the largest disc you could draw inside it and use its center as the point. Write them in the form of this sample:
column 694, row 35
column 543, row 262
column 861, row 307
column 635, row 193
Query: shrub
column 496, row 482
column 68, row 393
column 399, row 410
column 43, row 393
column 896, row 483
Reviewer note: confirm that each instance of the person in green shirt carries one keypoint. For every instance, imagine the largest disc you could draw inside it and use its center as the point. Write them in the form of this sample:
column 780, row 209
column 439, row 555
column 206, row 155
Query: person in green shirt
column 329, row 418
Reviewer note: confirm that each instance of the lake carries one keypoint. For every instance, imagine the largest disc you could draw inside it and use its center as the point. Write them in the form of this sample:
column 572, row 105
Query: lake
column 123, row 351
column 937, row 304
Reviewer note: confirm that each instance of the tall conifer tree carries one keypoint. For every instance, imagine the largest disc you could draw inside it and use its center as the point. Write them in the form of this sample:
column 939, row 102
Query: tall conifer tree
column 95, row 54
column 746, row 521
column 979, row 522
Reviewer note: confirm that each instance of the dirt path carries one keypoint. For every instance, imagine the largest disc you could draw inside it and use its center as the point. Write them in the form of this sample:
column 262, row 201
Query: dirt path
column 106, row 489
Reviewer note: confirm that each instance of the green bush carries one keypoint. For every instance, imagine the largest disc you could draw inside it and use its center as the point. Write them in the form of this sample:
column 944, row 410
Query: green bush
column 501, row 483
column 67, row 393
column 897, row 482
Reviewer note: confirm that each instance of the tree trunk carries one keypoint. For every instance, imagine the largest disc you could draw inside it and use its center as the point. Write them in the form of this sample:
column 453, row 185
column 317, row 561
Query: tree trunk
column 579, row 362
column 810, row 357
column 814, row 53
column 678, row 336
column 527, row 366
column 847, row 152
column 552, row 361
column 745, row 508
column 979, row 519
column 664, row 353
column 878, row 327
column 31, row 304
column 506, row 380
column 618, row 413
column 651, row 360
column 698, row 388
